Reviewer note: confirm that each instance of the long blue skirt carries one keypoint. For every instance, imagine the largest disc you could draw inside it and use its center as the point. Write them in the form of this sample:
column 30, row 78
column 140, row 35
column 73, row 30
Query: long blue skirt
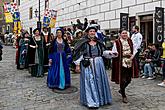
column 59, row 73
column 94, row 86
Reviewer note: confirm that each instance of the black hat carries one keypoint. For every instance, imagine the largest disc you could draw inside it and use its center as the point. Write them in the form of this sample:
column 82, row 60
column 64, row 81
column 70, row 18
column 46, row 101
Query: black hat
column 92, row 26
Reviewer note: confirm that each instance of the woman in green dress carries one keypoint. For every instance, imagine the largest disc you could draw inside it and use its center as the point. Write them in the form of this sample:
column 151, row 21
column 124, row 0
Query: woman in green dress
column 37, row 43
column 23, row 49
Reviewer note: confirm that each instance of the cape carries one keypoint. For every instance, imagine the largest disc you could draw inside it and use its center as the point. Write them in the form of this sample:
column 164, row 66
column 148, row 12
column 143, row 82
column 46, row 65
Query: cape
column 79, row 46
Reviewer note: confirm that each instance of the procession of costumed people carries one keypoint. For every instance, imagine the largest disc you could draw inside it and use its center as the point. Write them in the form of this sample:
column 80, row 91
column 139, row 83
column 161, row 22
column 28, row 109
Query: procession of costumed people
column 55, row 54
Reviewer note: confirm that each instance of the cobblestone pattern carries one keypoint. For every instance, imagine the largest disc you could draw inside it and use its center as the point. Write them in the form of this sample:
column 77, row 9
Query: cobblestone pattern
column 20, row 91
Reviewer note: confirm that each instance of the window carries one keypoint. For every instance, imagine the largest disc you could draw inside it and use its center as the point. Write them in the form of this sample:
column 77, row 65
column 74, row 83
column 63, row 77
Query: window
column 31, row 13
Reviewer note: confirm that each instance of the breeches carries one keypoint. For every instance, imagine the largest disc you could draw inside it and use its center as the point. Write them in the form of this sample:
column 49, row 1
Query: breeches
column 125, row 79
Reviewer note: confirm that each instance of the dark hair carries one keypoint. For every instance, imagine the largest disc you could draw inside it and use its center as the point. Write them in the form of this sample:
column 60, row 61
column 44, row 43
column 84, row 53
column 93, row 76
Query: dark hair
column 136, row 27
column 69, row 29
column 93, row 22
column 34, row 31
column 26, row 32
column 121, row 30
column 156, row 46
column 45, row 28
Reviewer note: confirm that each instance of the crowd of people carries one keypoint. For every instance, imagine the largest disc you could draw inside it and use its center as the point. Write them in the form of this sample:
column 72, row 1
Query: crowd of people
column 84, row 49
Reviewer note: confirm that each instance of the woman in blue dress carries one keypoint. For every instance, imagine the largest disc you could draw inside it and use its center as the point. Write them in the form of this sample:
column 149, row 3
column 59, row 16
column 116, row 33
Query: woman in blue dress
column 94, row 86
column 59, row 60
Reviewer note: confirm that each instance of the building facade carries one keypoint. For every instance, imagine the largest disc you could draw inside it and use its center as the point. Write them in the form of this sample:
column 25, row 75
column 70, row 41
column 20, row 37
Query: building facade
column 4, row 27
column 28, row 16
column 105, row 12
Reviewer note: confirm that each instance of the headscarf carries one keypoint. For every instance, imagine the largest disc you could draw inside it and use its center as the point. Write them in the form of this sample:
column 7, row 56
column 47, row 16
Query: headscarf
column 60, row 29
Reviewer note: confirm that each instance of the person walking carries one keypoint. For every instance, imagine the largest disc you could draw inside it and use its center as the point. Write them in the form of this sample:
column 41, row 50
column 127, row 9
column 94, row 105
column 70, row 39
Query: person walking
column 123, row 65
column 37, row 43
column 94, row 86
column 59, row 60
column 23, row 45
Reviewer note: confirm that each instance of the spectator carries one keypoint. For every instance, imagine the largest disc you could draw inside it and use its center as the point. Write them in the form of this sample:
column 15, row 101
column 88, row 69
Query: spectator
column 151, row 62
column 85, row 23
column 79, row 24
column 78, row 34
column 93, row 22
column 6, row 36
column 137, row 40
column 74, row 28
column 163, row 56
column 70, row 30
column 99, row 34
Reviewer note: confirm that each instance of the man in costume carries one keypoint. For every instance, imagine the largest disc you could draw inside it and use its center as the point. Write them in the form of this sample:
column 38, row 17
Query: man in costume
column 123, row 65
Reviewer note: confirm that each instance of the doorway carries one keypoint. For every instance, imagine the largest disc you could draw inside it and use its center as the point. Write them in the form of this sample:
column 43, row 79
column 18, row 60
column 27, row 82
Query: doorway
column 146, row 28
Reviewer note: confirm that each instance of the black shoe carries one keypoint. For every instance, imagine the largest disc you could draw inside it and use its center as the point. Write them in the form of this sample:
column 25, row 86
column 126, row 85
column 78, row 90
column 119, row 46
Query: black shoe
column 93, row 108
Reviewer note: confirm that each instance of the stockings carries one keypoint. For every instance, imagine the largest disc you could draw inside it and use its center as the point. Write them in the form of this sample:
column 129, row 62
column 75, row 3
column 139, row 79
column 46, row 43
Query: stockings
column 125, row 79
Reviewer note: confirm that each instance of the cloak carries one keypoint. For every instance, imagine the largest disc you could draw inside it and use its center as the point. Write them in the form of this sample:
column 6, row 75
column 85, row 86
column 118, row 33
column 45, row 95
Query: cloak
column 117, row 63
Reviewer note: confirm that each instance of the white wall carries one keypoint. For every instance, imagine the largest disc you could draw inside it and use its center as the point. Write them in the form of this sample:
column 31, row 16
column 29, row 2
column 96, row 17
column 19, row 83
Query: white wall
column 106, row 11
column 24, row 13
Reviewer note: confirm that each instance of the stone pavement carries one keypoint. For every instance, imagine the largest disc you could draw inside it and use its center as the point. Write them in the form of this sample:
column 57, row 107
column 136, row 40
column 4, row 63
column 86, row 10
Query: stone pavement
column 20, row 91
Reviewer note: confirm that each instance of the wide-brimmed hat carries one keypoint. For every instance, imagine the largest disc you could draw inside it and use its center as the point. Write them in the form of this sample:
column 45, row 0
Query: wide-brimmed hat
column 92, row 26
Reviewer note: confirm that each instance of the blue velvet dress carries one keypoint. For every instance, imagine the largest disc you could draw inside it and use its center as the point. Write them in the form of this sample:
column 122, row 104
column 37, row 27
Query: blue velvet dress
column 94, row 86
column 59, row 73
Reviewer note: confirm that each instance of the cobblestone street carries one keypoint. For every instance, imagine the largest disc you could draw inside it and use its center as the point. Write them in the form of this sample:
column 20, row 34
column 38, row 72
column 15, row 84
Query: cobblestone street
column 20, row 91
